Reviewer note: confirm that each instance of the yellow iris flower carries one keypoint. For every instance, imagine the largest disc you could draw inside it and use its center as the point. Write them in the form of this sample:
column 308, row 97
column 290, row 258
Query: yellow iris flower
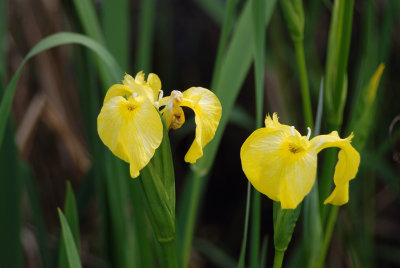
column 207, row 110
column 282, row 164
column 130, row 126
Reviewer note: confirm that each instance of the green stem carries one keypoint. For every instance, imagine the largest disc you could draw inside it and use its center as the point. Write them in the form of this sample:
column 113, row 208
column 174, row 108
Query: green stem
column 305, row 90
column 255, row 228
column 169, row 254
column 328, row 235
column 246, row 227
column 278, row 259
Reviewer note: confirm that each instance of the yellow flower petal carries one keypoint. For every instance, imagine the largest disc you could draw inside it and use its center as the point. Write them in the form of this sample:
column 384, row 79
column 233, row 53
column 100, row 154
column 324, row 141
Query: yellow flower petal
column 131, row 129
column 163, row 101
column 118, row 90
column 346, row 168
column 139, row 78
column 207, row 109
column 154, row 81
column 174, row 118
column 274, row 170
column 139, row 86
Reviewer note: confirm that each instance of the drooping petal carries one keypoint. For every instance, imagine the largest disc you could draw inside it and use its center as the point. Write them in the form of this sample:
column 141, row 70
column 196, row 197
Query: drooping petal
column 131, row 129
column 208, row 110
column 346, row 167
column 275, row 171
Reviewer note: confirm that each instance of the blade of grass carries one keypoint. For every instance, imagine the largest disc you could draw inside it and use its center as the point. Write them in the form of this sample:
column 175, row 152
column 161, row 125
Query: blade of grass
column 234, row 70
column 69, row 243
column 115, row 24
column 146, row 34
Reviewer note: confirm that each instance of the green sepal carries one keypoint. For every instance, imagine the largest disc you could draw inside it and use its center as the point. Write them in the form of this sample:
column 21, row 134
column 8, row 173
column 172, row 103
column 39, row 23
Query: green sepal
column 158, row 183
column 284, row 223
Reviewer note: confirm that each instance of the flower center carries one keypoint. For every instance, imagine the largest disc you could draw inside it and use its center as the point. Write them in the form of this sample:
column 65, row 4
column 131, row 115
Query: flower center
column 295, row 148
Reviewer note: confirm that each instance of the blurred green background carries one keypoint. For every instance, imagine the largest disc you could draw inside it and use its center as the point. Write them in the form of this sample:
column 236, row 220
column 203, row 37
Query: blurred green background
column 52, row 136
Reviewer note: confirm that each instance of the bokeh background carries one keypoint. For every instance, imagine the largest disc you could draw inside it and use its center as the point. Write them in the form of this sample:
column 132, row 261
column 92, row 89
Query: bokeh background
column 53, row 130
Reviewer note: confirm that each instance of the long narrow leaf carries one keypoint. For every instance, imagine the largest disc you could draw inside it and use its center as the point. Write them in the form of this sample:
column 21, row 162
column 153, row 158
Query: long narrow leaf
column 45, row 44
column 71, row 214
column 116, row 23
column 69, row 242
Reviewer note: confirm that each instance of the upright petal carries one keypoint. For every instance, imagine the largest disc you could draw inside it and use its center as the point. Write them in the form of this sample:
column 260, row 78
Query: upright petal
column 276, row 172
column 118, row 90
column 346, row 168
column 154, row 81
column 138, row 85
column 207, row 109
column 131, row 129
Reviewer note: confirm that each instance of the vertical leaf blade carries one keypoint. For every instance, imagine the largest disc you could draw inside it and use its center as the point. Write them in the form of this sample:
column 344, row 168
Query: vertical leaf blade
column 69, row 243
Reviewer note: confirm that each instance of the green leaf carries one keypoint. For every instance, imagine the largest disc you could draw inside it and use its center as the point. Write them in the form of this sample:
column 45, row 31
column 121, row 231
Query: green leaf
column 49, row 42
column 71, row 214
column 363, row 111
column 226, row 30
column 146, row 35
column 69, row 243
column 337, row 58
column 312, row 225
column 116, row 22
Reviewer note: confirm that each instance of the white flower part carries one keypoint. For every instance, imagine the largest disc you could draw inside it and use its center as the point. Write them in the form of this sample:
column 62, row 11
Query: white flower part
column 160, row 94
column 176, row 96
column 157, row 104
column 175, row 99
column 134, row 94
column 308, row 133
column 292, row 131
